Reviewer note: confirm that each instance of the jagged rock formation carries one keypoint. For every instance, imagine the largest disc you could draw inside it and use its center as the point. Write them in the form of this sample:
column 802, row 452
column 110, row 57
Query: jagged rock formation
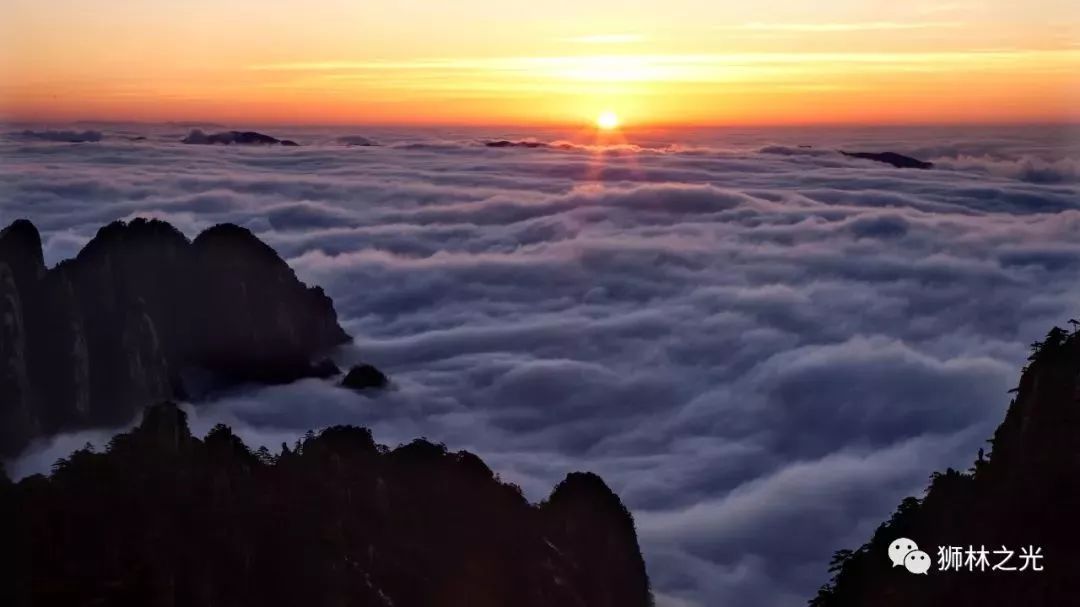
column 162, row 518
column 1026, row 494
column 22, row 267
column 196, row 136
column 897, row 160
column 93, row 340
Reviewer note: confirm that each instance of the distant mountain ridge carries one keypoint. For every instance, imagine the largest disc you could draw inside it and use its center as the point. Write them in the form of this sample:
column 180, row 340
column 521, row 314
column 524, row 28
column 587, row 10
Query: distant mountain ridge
column 61, row 136
column 899, row 161
column 198, row 137
column 1024, row 495
column 163, row 518
column 96, row 338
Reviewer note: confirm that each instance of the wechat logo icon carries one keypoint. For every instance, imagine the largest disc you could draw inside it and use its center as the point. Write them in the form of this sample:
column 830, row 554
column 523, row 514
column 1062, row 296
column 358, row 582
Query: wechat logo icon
column 905, row 553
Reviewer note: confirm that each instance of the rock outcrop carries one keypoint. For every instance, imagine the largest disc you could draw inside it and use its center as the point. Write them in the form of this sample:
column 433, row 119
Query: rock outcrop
column 897, row 160
column 364, row 377
column 1024, row 496
column 198, row 137
column 22, row 266
column 596, row 533
column 93, row 340
column 162, row 518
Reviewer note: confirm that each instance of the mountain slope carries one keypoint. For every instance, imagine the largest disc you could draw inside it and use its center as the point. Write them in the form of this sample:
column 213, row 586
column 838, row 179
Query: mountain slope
column 1025, row 495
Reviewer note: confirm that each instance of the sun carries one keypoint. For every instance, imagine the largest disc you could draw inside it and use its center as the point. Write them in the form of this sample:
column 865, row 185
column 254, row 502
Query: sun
column 607, row 121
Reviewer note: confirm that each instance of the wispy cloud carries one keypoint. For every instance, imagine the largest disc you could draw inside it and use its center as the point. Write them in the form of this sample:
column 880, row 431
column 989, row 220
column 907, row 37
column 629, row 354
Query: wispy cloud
column 854, row 26
column 608, row 39
column 937, row 8
column 687, row 67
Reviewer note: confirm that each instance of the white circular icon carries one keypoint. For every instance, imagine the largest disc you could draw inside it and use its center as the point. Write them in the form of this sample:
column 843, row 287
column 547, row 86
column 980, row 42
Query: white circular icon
column 899, row 549
column 917, row 561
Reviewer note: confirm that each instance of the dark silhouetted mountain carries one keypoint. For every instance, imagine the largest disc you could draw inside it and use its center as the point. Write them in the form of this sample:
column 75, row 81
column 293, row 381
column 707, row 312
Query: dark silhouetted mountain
column 162, row 518
column 897, row 160
column 364, row 376
column 61, row 136
column 515, row 144
column 1025, row 494
column 196, row 136
column 93, row 340
column 591, row 526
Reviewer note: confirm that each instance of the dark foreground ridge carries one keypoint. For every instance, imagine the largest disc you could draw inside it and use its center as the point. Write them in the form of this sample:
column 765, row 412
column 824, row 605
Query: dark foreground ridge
column 897, row 160
column 196, row 136
column 1026, row 494
column 162, row 518
column 141, row 314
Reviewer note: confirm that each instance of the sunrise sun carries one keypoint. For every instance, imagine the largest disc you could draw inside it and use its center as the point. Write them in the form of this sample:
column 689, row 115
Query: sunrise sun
column 607, row 121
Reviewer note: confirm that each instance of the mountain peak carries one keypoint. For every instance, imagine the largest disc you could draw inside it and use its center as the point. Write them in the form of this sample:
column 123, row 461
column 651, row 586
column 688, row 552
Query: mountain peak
column 20, row 250
column 164, row 426
column 583, row 513
column 95, row 339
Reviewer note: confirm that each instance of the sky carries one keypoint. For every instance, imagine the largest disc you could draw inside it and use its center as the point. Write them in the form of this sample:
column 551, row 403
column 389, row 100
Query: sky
column 684, row 62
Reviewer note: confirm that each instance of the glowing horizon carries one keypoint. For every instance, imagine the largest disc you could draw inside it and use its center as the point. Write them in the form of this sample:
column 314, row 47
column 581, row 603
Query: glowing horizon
column 671, row 63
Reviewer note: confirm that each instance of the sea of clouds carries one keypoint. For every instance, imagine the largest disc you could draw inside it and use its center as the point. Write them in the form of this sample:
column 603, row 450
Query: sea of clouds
column 762, row 347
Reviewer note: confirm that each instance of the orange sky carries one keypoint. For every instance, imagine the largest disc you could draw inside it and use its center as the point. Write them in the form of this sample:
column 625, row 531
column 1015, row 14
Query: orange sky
column 528, row 62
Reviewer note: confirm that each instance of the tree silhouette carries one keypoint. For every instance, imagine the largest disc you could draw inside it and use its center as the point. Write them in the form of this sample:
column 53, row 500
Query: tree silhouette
column 1024, row 493
column 163, row 518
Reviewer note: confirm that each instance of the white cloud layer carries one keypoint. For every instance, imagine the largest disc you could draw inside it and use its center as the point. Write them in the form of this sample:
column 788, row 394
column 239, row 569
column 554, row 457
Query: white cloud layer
column 761, row 347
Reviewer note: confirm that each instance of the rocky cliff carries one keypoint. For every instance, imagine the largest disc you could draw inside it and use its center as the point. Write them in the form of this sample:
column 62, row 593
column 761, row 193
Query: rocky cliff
column 138, row 313
column 162, row 518
column 1024, row 495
